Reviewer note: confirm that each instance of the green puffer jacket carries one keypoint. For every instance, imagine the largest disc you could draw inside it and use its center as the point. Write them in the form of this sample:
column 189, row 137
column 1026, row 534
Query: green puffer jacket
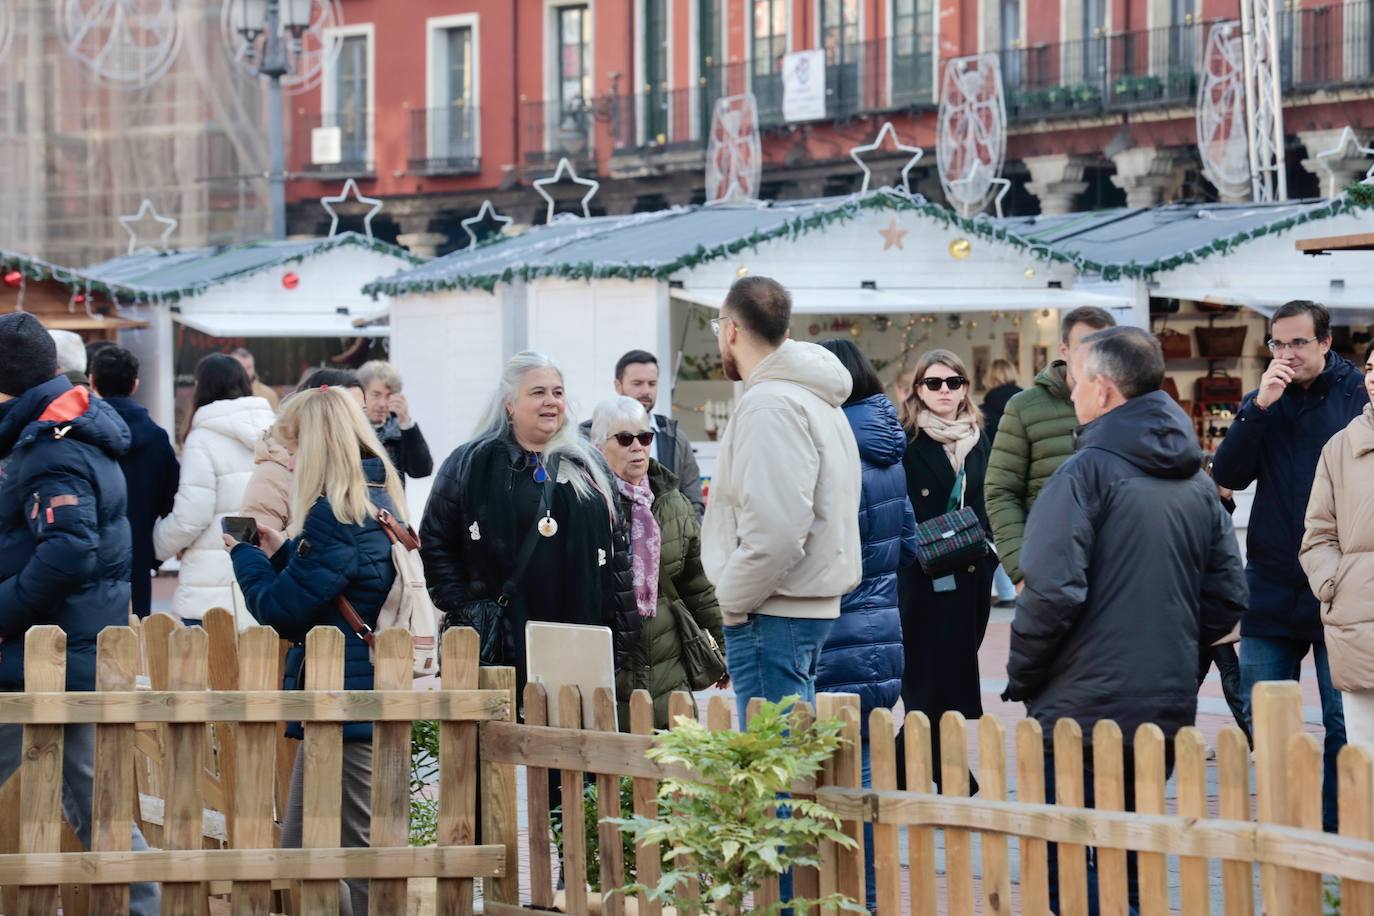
column 655, row 664
column 1033, row 440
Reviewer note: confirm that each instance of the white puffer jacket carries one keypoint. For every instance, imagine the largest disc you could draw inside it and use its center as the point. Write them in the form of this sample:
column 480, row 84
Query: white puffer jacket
column 216, row 462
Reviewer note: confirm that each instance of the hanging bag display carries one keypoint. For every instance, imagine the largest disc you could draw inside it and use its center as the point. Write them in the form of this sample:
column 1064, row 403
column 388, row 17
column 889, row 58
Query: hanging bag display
column 953, row 540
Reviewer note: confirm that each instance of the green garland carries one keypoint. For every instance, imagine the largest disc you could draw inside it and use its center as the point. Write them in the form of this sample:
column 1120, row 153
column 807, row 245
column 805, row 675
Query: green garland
column 850, row 209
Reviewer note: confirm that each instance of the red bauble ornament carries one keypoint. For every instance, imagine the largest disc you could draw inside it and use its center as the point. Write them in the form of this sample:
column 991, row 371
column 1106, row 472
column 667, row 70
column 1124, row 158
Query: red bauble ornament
column 79, row 299
column 13, row 279
column 291, row 280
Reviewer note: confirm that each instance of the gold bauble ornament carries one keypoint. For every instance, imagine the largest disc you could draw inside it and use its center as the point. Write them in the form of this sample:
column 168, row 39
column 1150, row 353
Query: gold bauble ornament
column 959, row 249
column 741, row 271
column 1030, row 273
column 855, row 330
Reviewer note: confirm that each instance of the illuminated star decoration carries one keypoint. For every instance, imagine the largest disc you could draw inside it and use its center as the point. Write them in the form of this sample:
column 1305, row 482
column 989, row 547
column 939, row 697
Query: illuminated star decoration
column 485, row 219
column 887, row 130
column 892, row 236
column 350, row 188
column 147, row 217
column 1346, row 147
column 565, row 169
column 978, row 172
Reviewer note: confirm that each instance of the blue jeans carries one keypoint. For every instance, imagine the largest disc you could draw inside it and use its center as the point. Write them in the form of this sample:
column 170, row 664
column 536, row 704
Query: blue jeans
column 870, row 878
column 1269, row 658
column 1002, row 585
column 78, row 793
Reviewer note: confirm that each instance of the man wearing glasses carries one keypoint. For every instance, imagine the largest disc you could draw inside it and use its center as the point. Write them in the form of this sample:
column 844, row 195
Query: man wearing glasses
column 1306, row 396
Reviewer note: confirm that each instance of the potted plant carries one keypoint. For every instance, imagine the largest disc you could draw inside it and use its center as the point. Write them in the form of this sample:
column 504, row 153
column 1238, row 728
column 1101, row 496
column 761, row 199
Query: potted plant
column 1086, row 95
column 720, row 825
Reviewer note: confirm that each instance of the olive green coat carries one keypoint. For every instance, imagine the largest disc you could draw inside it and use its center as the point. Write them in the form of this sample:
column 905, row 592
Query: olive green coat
column 655, row 664
column 1034, row 438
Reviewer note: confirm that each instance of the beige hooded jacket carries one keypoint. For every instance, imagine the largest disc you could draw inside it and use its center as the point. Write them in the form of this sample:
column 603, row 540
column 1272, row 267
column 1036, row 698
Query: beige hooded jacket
column 267, row 497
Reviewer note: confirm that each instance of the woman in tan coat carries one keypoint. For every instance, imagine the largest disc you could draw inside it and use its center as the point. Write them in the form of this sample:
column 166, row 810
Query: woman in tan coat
column 1338, row 557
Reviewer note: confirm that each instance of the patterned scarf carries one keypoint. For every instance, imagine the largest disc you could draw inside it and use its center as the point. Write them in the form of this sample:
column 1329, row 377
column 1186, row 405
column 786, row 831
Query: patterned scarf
column 646, row 544
column 958, row 436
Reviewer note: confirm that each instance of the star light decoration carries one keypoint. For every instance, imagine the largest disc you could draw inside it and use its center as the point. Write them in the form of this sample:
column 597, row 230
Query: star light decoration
column 979, row 173
column 1347, row 147
column 885, row 131
column 146, row 216
column 565, row 169
column 486, row 216
column 350, row 188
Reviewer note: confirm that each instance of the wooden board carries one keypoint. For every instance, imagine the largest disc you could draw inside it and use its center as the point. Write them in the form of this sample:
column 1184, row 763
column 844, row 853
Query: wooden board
column 457, row 770
column 259, row 669
column 391, row 768
column 113, row 807
column 181, row 829
column 40, row 787
column 322, row 776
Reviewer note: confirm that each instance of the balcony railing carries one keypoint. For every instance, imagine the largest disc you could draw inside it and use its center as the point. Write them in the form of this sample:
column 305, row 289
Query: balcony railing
column 443, row 141
column 354, row 133
column 1322, row 47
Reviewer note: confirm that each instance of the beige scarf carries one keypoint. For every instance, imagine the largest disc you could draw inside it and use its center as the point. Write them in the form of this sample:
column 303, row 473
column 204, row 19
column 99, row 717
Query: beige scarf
column 959, row 436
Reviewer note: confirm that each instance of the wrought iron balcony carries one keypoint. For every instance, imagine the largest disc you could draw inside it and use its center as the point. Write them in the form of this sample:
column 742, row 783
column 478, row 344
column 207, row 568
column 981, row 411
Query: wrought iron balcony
column 443, row 141
column 349, row 134
column 1328, row 46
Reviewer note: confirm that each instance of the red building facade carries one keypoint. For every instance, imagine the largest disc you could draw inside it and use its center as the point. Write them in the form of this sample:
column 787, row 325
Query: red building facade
column 440, row 104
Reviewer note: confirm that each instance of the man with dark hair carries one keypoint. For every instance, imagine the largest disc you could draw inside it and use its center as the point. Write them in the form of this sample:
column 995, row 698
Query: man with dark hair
column 1130, row 523
column 1306, row 396
column 151, row 470
column 1034, row 437
column 781, row 537
column 64, row 545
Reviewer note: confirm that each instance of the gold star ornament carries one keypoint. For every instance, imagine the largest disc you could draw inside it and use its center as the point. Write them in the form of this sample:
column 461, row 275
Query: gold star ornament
column 892, row 236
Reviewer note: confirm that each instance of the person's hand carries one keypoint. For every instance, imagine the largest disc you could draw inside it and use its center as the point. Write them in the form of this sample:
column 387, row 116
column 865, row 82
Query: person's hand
column 723, row 682
column 1021, row 586
column 397, row 404
column 270, row 540
column 1275, row 381
column 229, row 542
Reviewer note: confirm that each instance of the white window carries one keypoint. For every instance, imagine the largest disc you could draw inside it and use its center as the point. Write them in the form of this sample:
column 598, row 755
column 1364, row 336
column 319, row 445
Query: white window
column 348, row 92
column 451, row 122
column 568, row 96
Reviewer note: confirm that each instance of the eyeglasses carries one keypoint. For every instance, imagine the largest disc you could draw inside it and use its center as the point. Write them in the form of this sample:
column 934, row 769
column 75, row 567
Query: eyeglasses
column 1297, row 343
column 715, row 324
column 953, row 383
column 645, row 439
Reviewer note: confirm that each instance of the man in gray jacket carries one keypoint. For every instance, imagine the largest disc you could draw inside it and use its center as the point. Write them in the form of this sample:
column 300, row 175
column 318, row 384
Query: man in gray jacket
column 781, row 537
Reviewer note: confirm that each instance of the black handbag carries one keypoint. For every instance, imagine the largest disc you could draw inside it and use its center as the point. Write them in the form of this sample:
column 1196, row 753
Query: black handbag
column 702, row 657
column 949, row 541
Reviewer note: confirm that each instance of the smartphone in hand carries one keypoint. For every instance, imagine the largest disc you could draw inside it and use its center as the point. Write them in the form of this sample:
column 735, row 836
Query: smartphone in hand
column 241, row 528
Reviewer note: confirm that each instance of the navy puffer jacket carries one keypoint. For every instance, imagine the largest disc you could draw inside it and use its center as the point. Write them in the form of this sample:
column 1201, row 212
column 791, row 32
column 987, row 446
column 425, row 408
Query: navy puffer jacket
column 64, row 535
column 294, row 591
column 863, row 653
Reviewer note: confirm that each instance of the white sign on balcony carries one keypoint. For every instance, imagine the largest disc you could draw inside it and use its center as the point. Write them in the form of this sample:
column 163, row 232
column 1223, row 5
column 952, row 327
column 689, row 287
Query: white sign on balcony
column 803, row 86
column 326, row 145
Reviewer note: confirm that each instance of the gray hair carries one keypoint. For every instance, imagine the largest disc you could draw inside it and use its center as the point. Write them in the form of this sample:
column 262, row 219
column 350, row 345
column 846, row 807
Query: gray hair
column 71, row 352
column 380, row 370
column 568, row 442
column 619, row 409
column 1130, row 357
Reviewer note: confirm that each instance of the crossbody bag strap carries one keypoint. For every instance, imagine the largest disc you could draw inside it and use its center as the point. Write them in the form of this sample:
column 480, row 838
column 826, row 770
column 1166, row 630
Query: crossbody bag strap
column 396, row 533
column 956, row 492
column 522, row 560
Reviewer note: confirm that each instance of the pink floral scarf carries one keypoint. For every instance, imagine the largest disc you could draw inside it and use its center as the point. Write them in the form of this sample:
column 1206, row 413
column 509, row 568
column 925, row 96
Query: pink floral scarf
column 646, row 545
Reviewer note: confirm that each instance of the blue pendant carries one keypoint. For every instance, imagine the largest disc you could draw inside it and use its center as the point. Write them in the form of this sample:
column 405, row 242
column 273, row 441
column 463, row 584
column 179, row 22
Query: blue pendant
column 540, row 475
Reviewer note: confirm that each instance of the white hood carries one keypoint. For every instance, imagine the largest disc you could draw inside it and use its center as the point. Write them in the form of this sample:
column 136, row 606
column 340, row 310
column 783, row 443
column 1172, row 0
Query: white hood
column 240, row 419
column 812, row 367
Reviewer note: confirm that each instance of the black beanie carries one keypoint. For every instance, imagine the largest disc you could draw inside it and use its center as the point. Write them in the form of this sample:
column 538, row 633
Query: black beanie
column 28, row 356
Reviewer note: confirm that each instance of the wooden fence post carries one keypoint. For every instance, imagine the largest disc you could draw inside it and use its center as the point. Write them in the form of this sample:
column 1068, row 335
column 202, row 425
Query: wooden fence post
column 322, row 773
column 40, row 772
column 537, row 793
column 1233, row 778
column 1276, row 716
column 1030, row 788
column 223, row 634
column 827, row 852
column 849, row 775
column 498, row 799
column 256, row 758
column 920, row 774
column 1109, row 794
column 183, row 822
column 458, row 772
column 394, row 670
column 958, row 843
column 608, row 806
column 647, row 855
column 1356, row 799
column 887, row 864
column 681, row 706
column 112, row 815
column 574, row 814
column 719, row 718
column 992, row 769
column 1190, row 765
column 806, row 880
column 1068, row 793
column 1304, row 810
column 1149, row 799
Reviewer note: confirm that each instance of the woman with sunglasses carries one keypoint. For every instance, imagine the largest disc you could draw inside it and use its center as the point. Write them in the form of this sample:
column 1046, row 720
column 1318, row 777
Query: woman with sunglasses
column 665, row 557
column 944, row 617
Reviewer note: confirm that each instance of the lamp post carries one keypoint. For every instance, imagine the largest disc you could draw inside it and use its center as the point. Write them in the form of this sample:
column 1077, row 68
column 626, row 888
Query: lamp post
column 263, row 25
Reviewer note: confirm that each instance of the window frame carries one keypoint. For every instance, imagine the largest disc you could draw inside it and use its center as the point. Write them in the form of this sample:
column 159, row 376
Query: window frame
column 329, row 102
column 436, row 44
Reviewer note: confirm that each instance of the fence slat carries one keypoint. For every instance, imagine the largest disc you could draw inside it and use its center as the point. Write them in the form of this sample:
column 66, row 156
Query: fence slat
column 393, row 670
column 322, row 776
column 499, row 813
column 1068, row 792
column 40, row 772
column 458, row 670
column 827, row 852
column 156, row 630
column 1276, row 714
column 182, row 828
column 1356, row 800
column 769, row 888
column 849, row 773
column 719, row 718
column 647, row 861
column 920, row 773
column 112, row 813
column 255, row 754
column 1304, row 810
column 958, row 843
column 806, row 880
column 1190, row 762
column 681, row 706
column 612, row 857
column 537, row 793
column 1149, row 799
column 1233, row 779
column 1109, row 794
column 574, row 817
column 1030, row 787
column 992, row 778
column 887, row 863
column 224, row 675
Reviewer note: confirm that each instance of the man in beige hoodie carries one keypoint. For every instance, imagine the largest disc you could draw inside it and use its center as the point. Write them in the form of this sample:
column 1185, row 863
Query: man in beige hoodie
column 780, row 540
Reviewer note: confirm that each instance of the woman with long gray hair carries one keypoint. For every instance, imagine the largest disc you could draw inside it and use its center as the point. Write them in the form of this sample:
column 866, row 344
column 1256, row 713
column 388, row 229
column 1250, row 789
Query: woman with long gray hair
column 523, row 524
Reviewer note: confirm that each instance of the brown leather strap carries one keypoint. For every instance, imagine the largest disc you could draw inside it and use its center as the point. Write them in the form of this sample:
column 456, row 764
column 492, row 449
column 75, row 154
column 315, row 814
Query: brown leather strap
column 352, row 618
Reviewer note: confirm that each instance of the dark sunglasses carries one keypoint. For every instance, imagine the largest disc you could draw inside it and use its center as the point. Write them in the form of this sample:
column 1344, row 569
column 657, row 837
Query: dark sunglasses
column 953, row 383
column 646, row 439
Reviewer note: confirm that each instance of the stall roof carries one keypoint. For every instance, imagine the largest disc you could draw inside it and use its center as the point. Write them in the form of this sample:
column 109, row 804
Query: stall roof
column 176, row 275
column 1111, row 244
column 37, row 270
column 847, row 300
column 218, row 324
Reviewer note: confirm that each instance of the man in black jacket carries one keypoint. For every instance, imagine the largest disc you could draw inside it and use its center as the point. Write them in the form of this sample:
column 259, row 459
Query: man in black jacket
column 1131, row 564
column 1307, row 395
column 150, row 466
column 389, row 412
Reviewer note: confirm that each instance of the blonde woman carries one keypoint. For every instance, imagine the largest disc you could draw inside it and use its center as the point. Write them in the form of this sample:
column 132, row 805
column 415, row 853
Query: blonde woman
column 337, row 548
column 944, row 618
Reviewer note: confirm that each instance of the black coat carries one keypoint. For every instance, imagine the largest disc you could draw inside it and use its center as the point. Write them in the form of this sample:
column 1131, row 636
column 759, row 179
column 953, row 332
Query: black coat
column 1280, row 448
column 151, row 472
column 943, row 630
column 1131, row 566
column 64, row 537
column 483, row 505
column 994, row 405
column 407, row 449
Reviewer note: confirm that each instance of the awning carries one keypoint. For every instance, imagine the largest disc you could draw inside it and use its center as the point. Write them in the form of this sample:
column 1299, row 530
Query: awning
column 279, row 325
column 873, row 301
column 1351, row 306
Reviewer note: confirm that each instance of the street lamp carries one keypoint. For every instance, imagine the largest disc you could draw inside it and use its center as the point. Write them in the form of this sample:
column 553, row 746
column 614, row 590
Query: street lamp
column 264, row 26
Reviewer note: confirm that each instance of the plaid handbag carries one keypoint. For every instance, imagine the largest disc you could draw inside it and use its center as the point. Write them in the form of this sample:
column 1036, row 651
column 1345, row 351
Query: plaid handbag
column 949, row 541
